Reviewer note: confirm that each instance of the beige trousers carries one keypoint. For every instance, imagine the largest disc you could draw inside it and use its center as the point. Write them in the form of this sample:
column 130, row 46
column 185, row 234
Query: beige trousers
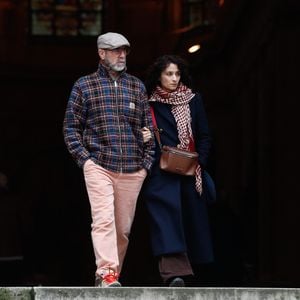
column 113, row 198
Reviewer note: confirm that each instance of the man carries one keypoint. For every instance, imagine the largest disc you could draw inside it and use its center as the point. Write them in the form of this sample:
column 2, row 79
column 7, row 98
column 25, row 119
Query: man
column 106, row 130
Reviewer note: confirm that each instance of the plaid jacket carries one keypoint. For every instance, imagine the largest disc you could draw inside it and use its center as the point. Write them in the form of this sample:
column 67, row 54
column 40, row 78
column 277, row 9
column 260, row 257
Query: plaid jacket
column 103, row 122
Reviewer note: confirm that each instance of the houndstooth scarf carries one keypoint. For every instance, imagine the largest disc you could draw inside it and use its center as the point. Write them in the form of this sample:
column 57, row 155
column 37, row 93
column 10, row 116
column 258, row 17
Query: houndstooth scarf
column 179, row 100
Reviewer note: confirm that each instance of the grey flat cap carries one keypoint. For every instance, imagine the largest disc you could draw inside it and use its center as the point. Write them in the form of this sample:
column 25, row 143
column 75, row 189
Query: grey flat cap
column 112, row 40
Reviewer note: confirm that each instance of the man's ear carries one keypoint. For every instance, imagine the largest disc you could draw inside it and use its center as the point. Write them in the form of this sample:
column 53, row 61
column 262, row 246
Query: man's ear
column 101, row 53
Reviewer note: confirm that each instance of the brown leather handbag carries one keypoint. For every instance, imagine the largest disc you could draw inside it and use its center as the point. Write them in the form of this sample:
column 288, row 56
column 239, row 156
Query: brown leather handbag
column 178, row 161
column 173, row 159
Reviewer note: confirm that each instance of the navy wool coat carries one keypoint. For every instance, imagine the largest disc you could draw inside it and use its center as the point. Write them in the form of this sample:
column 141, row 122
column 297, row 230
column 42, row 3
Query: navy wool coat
column 178, row 215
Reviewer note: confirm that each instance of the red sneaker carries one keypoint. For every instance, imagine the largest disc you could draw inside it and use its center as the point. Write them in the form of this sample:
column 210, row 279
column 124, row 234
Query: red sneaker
column 108, row 280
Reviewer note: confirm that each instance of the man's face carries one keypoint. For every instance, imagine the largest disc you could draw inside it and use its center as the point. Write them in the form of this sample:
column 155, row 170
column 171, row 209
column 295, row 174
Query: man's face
column 114, row 59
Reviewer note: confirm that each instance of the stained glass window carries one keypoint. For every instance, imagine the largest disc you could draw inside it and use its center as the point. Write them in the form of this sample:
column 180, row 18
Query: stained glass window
column 200, row 12
column 65, row 17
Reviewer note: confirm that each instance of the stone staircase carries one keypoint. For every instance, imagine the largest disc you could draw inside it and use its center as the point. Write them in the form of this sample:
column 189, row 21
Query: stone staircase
column 140, row 293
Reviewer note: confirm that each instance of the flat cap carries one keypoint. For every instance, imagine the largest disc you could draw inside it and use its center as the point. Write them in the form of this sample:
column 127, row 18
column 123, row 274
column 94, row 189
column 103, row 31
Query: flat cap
column 112, row 40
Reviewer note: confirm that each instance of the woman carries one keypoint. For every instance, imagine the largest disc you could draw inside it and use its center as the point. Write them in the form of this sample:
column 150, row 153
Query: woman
column 179, row 225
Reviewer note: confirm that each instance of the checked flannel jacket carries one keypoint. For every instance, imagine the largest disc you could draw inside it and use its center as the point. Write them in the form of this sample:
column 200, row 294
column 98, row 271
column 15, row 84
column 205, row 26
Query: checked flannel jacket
column 103, row 122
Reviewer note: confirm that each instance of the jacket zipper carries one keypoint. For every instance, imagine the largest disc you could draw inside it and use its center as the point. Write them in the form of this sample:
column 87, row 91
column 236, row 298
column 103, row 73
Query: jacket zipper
column 121, row 152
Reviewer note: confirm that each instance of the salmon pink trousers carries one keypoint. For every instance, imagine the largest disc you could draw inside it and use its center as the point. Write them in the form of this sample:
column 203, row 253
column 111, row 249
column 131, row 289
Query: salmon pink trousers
column 112, row 198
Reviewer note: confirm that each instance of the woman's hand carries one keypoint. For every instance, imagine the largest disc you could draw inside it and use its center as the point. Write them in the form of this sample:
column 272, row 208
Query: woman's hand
column 146, row 134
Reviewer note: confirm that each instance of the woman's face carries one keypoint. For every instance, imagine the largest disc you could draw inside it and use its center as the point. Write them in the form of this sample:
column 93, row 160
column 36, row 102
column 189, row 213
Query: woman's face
column 170, row 77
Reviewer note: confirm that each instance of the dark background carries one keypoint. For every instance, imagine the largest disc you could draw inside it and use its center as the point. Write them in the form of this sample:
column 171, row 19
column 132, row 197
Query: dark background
column 247, row 71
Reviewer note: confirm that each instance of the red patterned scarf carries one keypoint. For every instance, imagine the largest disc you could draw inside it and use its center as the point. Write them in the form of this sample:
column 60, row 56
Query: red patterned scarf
column 179, row 100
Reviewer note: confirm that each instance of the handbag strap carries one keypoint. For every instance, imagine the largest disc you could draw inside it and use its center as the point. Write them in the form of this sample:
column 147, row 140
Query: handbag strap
column 157, row 135
column 156, row 130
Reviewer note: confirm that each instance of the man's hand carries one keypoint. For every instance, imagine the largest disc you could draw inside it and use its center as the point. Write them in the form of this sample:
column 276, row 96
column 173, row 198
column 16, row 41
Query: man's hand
column 146, row 134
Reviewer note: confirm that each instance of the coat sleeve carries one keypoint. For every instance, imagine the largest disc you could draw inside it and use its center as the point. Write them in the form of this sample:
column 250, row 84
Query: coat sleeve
column 148, row 153
column 73, row 127
column 201, row 131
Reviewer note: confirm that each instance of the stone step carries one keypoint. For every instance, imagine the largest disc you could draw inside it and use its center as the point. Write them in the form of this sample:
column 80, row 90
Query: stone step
column 147, row 293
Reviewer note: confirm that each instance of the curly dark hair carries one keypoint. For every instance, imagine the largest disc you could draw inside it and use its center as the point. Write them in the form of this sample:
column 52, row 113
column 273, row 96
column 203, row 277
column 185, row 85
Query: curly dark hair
column 161, row 63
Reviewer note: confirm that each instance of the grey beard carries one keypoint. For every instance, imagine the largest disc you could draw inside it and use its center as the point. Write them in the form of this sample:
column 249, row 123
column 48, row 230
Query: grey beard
column 114, row 67
column 117, row 68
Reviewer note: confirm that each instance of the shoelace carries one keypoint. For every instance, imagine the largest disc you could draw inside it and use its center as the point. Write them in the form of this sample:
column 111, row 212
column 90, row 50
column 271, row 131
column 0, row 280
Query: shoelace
column 111, row 276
